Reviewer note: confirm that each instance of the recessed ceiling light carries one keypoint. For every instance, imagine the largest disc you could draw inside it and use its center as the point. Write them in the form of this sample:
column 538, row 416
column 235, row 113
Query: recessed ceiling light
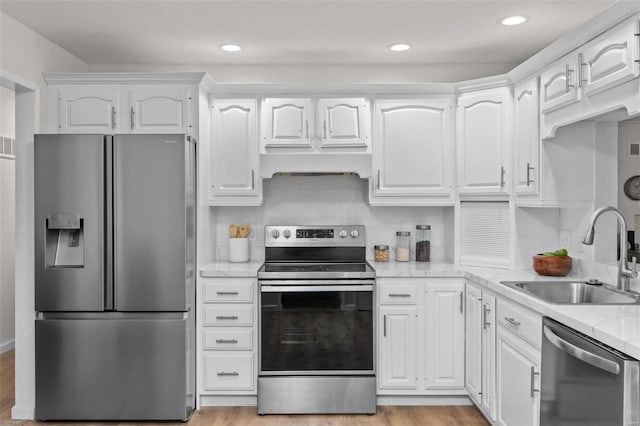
column 230, row 47
column 512, row 20
column 399, row 47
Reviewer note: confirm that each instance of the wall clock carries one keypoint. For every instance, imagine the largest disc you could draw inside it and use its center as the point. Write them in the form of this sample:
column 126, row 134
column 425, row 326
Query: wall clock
column 632, row 187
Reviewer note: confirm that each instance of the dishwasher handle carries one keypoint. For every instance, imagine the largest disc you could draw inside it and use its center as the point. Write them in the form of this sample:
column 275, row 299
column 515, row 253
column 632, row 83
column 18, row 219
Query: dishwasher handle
column 581, row 354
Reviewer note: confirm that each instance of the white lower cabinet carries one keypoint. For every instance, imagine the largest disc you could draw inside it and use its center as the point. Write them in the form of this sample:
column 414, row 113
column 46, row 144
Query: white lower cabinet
column 229, row 337
column 518, row 365
column 480, row 349
column 420, row 336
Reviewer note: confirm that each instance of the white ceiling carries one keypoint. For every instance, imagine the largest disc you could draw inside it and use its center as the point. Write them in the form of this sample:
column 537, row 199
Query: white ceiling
column 301, row 31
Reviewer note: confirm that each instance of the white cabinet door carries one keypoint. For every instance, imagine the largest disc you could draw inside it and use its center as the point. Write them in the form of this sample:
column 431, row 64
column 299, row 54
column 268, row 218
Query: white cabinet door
column 398, row 363
column 412, row 147
column 518, row 381
column 287, row 123
column 234, row 151
column 609, row 60
column 488, row 321
column 559, row 84
column 89, row 109
column 445, row 335
column 473, row 342
column 157, row 109
column 483, row 141
column 343, row 122
column 527, row 141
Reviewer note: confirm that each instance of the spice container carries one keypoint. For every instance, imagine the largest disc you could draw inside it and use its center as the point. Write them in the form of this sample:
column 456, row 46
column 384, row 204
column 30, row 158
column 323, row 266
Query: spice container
column 403, row 246
column 381, row 253
column 423, row 243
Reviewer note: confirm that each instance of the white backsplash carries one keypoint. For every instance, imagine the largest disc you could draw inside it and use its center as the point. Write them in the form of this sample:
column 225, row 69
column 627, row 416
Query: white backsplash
column 328, row 200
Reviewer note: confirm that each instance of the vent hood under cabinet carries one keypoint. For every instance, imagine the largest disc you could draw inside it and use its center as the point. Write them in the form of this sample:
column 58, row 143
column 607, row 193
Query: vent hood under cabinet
column 315, row 163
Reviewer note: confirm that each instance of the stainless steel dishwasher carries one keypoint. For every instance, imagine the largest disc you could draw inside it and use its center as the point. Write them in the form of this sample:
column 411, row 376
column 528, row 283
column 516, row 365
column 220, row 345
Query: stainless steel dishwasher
column 585, row 382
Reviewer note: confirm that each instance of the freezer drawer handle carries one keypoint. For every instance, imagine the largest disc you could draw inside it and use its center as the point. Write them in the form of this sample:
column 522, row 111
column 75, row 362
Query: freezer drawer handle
column 225, row 373
column 226, row 317
column 227, row 293
column 226, row 340
column 581, row 354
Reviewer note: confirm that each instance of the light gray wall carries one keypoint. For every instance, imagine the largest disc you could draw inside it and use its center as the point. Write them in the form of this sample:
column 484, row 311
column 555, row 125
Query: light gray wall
column 27, row 54
column 336, row 73
column 628, row 132
column 7, row 223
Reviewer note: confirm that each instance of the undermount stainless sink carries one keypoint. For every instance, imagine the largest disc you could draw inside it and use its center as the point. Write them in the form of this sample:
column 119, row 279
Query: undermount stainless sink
column 575, row 292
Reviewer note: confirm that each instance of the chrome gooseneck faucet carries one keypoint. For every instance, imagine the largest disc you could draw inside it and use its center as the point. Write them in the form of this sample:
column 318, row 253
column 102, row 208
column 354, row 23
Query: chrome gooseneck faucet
column 624, row 272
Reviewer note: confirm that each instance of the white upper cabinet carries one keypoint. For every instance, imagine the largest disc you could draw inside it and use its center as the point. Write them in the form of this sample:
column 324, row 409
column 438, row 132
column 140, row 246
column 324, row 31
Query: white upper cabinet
column 483, row 141
column 559, row 84
column 88, row 109
column 314, row 123
column 610, row 59
column 286, row 123
column 120, row 103
column 413, row 146
column 599, row 77
column 343, row 122
column 527, row 141
column 159, row 109
column 234, row 153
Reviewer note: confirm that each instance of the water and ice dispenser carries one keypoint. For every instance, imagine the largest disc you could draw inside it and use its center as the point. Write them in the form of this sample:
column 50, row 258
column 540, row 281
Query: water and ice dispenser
column 64, row 241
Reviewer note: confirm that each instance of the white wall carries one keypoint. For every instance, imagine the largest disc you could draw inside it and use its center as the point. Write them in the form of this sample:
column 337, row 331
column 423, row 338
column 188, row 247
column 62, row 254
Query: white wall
column 329, row 200
column 337, row 73
column 27, row 54
column 7, row 223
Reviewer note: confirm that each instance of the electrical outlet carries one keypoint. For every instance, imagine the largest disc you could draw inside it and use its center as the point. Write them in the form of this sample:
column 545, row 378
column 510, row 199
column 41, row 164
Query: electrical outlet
column 252, row 235
column 565, row 239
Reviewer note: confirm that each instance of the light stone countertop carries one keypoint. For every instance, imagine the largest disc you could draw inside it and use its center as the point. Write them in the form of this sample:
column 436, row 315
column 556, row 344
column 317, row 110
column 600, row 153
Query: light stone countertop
column 614, row 325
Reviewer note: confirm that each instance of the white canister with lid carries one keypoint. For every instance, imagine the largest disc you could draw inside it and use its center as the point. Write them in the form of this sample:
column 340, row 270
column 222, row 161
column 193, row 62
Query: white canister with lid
column 403, row 246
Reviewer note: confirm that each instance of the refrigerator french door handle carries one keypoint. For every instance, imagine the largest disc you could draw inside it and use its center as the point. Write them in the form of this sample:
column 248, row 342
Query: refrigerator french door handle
column 109, row 300
column 110, row 286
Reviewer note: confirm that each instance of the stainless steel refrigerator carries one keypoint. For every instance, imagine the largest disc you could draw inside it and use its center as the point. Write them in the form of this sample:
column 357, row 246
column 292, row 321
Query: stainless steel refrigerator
column 114, row 277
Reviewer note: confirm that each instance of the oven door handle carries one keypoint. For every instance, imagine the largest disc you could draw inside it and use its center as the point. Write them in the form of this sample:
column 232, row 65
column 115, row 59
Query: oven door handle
column 312, row 288
column 581, row 354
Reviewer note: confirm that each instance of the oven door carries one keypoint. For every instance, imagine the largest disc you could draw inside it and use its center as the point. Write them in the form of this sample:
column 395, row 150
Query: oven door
column 316, row 327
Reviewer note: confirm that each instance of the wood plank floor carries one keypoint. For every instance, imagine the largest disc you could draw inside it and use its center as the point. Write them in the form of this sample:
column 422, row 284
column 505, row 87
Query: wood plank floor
column 241, row 416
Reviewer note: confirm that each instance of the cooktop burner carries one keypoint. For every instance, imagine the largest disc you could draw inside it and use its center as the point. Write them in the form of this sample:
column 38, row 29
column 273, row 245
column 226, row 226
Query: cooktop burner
column 318, row 267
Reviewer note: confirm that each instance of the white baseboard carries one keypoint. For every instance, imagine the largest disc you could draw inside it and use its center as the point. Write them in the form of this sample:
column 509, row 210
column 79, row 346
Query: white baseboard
column 423, row 400
column 22, row 413
column 228, row 400
column 7, row 346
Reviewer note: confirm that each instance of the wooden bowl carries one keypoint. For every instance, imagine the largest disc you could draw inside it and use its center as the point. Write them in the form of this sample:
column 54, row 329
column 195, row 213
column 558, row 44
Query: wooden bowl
column 554, row 266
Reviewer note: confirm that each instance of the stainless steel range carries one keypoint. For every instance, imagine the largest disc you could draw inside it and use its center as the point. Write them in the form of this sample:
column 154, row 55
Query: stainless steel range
column 316, row 322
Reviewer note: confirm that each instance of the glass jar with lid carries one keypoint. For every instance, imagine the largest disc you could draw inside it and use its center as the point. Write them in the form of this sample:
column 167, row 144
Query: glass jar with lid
column 403, row 246
column 423, row 243
column 381, row 253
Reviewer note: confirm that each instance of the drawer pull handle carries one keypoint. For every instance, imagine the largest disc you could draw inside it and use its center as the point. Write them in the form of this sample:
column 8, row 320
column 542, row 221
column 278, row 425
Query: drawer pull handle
column 534, row 373
column 485, row 312
column 227, row 341
column 227, row 293
column 512, row 321
column 227, row 317
column 399, row 295
column 225, row 373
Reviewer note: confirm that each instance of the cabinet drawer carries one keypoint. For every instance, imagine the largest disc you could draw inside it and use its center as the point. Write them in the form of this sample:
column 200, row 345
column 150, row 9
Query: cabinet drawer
column 228, row 291
column 228, row 371
column 520, row 321
column 216, row 315
column 402, row 294
column 236, row 339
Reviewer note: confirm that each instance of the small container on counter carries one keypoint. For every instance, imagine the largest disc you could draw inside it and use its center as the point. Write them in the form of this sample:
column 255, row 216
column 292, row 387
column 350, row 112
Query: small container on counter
column 403, row 246
column 381, row 253
column 423, row 243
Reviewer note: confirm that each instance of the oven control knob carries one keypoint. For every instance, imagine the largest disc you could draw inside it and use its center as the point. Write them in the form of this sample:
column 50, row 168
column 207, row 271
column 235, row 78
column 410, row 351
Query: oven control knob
column 275, row 233
column 355, row 233
column 286, row 233
column 342, row 233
